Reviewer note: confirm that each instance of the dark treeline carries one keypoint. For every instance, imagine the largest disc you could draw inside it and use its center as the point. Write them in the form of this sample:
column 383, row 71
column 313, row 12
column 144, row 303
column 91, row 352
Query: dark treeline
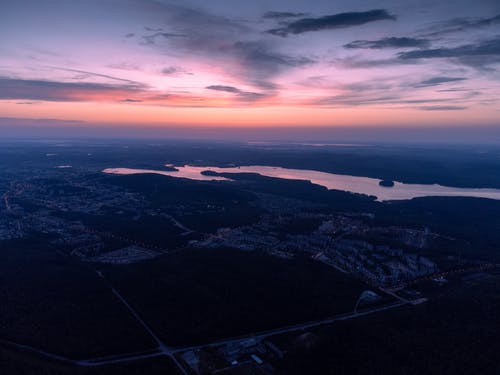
column 455, row 332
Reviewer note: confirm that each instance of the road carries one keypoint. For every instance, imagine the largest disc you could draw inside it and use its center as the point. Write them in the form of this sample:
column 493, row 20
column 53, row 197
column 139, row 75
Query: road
column 170, row 352
column 293, row 328
column 258, row 336
column 162, row 348
column 475, row 268
column 393, row 294
column 181, row 226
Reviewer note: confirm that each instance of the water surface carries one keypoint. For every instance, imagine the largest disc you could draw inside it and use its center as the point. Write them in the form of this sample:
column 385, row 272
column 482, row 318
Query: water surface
column 354, row 184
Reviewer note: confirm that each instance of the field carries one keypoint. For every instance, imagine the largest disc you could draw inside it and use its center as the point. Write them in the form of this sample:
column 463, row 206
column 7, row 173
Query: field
column 201, row 295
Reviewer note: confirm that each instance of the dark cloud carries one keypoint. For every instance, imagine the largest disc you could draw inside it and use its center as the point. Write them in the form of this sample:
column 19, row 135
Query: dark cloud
column 153, row 29
column 423, row 101
column 245, row 95
column 11, row 88
column 189, row 21
column 460, row 25
column 174, row 71
column 355, row 99
column 361, row 98
column 131, row 101
column 260, row 55
column 224, row 88
column 256, row 61
column 457, row 90
column 392, row 42
column 381, row 93
column 265, row 85
column 224, row 42
column 484, row 63
column 84, row 74
column 282, row 15
column 436, row 81
column 54, row 91
column 130, row 35
column 335, row 21
column 487, row 21
column 442, row 108
column 124, row 65
column 355, row 62
column 484, row 48
column 170, row 70
column 152, row 39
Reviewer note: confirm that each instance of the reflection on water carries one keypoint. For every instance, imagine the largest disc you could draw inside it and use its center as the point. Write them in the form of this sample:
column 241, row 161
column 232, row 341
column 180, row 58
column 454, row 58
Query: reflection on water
column 193, row 173
column 354, row 184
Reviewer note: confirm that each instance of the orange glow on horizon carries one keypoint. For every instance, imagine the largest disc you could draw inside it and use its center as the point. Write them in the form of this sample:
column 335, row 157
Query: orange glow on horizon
column 137, row 115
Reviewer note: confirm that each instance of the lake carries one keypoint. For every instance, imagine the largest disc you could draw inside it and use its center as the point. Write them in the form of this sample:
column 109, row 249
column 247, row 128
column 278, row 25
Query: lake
column 354, row 184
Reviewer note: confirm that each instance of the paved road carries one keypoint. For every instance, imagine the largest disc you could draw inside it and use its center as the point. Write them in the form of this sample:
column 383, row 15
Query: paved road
column 161, row 346
column 292, row 328
column 36, row 351
column 258, row 336
column 121, row 358
column 164, row 350
column 393, row 294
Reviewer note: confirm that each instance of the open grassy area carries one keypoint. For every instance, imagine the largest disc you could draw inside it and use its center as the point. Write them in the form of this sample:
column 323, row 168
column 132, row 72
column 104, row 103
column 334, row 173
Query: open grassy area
column 200, row 295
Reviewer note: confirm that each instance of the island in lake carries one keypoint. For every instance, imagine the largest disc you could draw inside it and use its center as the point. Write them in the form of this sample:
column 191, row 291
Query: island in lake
column 386, row 183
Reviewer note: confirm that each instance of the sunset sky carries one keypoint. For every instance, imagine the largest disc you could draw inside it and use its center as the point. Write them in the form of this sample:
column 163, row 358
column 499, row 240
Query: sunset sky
column 251, row 63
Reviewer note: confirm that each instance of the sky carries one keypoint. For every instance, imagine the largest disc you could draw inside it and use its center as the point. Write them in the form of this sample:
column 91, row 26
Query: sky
column 264, row 64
